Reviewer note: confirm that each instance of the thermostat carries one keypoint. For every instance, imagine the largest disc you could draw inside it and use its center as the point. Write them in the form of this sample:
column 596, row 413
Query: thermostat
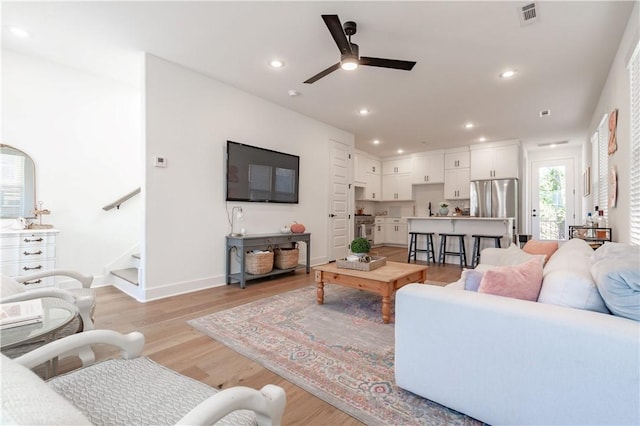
column 160, row 161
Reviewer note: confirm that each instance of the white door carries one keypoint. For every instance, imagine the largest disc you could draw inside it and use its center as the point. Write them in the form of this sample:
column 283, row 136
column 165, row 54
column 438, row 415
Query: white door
column 339, row 218
column 552, row 199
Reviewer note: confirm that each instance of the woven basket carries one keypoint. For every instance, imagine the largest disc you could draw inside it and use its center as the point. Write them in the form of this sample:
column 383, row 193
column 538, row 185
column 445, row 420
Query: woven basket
column 287, row 258
column 258, row 263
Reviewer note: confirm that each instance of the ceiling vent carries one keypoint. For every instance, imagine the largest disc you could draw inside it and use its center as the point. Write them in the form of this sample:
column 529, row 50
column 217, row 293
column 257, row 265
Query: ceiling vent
column 553, row 143
column 528, row 13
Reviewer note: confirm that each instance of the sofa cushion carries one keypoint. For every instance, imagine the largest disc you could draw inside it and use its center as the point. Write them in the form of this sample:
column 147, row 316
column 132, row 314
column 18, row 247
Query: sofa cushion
column 567, row 279
column 471, row 279
column 27, row 400
column 521, row 281
column 514, row 255
column 541, row 247
column 616, row 271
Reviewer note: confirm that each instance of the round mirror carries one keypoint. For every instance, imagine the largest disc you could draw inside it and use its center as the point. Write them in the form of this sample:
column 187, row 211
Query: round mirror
column 18, row 185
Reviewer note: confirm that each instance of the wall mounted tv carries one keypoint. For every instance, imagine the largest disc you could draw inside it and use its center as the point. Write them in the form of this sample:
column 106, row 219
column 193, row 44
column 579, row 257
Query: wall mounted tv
column 261, row 175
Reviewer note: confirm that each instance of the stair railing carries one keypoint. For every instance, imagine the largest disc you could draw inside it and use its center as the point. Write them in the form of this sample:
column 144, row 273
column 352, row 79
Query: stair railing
column 121, row 200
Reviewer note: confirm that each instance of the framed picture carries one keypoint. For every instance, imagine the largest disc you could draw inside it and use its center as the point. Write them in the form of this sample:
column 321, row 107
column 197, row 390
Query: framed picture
column 587, row 181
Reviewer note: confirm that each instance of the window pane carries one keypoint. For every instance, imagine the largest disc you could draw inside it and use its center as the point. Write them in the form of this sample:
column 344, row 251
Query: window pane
column 553, row 211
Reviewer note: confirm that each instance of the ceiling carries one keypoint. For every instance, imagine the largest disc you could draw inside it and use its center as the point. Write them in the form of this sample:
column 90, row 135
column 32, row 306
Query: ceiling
column 562, row 59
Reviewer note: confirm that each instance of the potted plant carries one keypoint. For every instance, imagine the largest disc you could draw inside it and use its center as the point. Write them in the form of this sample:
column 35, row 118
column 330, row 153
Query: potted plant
column 444, row 208
column 360, row 246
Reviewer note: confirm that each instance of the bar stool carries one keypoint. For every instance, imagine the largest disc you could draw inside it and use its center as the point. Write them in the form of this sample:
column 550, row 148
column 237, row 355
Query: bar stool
column 461, row 250
column 477, row 241
column 414, row 250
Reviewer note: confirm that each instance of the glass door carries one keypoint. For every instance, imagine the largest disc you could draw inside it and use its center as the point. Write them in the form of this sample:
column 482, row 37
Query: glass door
column 552, row 199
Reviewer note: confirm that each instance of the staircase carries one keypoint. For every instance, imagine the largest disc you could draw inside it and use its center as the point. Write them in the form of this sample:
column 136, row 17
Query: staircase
column 130, row 274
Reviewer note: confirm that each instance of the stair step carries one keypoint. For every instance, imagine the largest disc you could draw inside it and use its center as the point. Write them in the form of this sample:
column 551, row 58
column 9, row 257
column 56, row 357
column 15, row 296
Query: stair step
column 136, row 255
column 129, row 274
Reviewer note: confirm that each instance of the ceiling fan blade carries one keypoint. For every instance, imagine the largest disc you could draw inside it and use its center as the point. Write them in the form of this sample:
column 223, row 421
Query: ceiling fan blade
column 336, row 30
column 387, row 63
column 324, row 73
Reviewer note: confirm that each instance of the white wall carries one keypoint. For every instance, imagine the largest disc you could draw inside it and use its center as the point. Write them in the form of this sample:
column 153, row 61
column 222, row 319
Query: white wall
column 615, row 94
column 83, row 132
column 188, row 119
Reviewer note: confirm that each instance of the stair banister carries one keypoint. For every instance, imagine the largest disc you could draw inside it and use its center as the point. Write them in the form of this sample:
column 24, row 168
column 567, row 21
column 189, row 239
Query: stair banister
column 121, row 200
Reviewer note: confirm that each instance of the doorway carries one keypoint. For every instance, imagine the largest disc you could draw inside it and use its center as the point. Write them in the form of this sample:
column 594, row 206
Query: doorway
column 339, row 217
column 552, row 206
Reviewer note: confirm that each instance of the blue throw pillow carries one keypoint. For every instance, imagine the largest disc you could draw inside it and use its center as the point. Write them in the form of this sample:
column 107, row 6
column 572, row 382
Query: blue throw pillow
column 472, row 279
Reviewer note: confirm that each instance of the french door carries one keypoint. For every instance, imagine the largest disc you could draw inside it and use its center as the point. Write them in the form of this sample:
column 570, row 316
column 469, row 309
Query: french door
column 552, row 199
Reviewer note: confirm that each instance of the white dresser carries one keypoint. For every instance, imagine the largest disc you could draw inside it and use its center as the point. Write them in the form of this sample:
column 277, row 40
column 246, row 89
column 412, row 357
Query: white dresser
column 28, row 251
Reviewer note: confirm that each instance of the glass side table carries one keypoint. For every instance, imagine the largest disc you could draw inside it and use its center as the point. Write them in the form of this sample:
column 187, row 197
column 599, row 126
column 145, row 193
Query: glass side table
column 57, row 317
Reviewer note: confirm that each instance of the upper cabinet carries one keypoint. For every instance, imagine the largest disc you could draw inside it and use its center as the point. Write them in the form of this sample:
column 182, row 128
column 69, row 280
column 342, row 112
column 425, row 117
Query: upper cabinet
column 456, row 159
column 368, row 176
column 396, row 166
column 496, row 162
column 396, row 187
column 428, row 168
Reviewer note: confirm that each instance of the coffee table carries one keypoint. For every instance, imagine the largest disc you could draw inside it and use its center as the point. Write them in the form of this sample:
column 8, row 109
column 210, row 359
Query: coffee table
column 383, row 281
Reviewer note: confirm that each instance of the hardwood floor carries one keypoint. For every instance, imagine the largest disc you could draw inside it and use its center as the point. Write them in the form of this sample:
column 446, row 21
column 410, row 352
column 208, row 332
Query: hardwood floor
column 174, row 344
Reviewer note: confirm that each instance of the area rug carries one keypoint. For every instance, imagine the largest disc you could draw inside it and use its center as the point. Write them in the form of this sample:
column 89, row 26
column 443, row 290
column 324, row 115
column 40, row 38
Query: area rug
column 340, row 351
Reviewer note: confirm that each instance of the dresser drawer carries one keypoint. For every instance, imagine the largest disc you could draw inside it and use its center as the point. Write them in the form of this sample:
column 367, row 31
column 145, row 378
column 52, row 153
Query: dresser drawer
column 27, row 253
column 14, row 269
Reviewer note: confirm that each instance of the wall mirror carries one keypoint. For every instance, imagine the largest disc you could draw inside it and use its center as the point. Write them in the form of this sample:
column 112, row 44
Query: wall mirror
column 18, row 184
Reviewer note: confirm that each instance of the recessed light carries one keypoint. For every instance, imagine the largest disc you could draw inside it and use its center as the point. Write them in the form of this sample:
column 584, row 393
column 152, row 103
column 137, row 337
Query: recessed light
column 276, row 63
column 482, row 139
column 545, row 113
column 376, row 142
column 363, row 111
column 19, row 32
column 400, row 151
column 508, row 73
column 468, row 126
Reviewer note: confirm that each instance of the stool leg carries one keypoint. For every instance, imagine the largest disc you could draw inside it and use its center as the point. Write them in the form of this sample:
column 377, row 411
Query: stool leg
column 431, row 254
column 475, row 254
column 461, row 249
column 443, row 244
column 498, row 242
column 463, row 254
column 411, row 246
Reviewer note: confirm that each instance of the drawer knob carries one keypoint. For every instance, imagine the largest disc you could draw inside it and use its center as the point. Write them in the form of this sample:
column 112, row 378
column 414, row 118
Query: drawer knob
column 26, row 253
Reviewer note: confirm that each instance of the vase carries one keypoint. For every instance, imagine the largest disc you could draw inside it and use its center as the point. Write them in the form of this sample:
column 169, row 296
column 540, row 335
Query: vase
column 443, row 211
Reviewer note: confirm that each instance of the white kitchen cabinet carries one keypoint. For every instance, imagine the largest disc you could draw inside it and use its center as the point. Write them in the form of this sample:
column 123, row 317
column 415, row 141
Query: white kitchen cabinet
column 396, row 187
column 456, row 184
column 396, row 231
column 500, row 162
column 379, row 231
column 428, row 168
column 359, row 166
column 373, row 187
column 396, row 166
column 456, row 159
column 28, row 251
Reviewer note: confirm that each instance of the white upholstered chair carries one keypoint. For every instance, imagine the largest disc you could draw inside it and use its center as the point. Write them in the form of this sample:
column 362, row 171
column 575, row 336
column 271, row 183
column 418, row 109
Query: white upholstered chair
column 130, row 390
column 82, row 296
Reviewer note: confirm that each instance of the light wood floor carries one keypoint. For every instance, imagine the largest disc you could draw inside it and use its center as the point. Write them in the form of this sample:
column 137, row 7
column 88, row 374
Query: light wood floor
column 174, row 344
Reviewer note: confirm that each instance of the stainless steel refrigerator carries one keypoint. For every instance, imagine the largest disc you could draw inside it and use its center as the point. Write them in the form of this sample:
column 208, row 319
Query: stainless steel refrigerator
column 495, row 198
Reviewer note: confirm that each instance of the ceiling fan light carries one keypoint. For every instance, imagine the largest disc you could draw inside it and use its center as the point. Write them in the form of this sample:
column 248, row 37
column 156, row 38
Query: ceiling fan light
column 349, row 63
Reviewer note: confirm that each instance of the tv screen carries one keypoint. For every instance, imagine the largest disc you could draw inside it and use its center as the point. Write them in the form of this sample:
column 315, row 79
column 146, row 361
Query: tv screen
column 261, row 175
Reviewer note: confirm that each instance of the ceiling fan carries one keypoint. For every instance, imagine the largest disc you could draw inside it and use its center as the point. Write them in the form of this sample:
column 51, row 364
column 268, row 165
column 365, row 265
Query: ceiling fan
column 349, row 57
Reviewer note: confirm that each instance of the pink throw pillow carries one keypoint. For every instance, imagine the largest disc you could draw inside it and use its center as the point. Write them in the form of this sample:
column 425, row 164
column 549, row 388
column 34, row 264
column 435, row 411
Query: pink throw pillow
column 521, row 281
column 541, row 247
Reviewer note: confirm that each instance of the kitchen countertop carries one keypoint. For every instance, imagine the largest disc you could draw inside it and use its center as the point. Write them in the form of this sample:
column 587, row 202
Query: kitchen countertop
column 459, row 218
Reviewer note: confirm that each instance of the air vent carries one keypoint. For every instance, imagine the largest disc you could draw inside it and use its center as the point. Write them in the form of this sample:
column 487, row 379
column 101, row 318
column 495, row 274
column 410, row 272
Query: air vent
column 528, row 13
column 553, row 143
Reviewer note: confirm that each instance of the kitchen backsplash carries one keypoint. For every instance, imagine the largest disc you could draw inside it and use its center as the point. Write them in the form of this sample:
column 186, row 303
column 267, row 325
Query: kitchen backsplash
column 423, row 194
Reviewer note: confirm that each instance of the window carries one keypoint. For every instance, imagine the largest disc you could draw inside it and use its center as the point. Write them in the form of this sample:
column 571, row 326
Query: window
column 603, row 166
column 634, row 157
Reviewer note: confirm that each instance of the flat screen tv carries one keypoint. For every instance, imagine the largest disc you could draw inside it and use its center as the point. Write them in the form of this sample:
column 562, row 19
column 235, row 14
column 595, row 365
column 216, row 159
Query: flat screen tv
column 261, row 175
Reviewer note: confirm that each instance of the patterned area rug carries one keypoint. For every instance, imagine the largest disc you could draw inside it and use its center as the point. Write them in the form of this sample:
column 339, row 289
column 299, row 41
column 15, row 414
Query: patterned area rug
column 340, row 351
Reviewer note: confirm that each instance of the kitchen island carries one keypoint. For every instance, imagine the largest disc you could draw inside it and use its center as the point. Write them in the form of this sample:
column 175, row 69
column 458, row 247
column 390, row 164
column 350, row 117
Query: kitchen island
column 469, row 225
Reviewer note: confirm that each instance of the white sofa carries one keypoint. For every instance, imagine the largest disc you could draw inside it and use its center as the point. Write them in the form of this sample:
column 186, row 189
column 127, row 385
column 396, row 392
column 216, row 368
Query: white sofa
column 508, row 361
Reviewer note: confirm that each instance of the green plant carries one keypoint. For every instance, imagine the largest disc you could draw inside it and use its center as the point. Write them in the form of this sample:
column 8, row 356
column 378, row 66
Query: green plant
column 443, row 204
column 360, row 245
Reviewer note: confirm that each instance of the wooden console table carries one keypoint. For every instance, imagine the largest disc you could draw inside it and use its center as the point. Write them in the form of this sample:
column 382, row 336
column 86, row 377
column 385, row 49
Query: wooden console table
column 244, row 243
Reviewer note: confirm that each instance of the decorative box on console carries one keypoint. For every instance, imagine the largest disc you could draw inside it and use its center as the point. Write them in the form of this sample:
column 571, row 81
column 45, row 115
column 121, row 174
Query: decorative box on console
column 376, row 262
